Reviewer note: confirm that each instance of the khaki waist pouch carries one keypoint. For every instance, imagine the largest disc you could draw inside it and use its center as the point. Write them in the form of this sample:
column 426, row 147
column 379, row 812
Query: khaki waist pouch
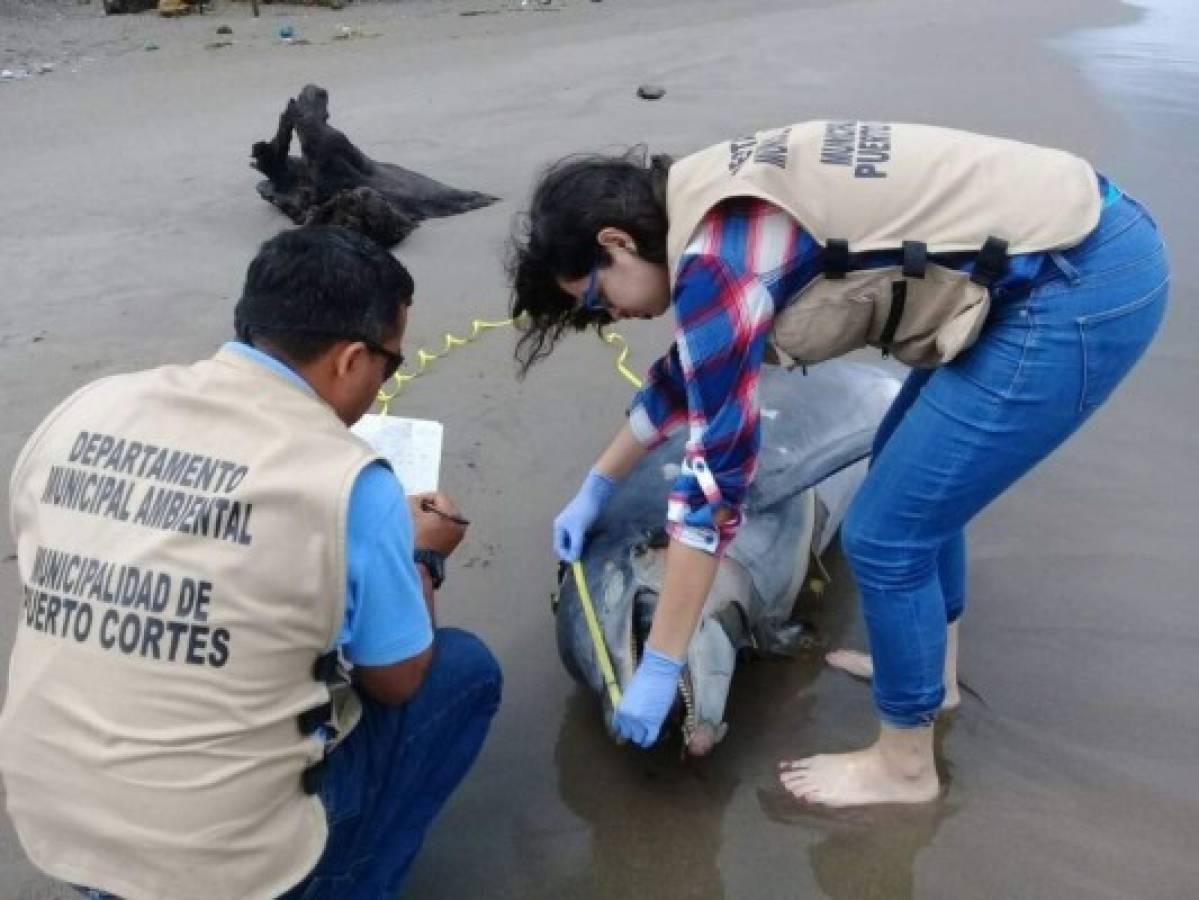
column 922, row 321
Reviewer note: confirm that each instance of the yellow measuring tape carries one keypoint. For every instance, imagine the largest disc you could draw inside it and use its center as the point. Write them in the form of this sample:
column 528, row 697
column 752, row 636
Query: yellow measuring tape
column 597, row 636
column 425, row 357
column 613, row 338
column 477, row 327
column 450, row 341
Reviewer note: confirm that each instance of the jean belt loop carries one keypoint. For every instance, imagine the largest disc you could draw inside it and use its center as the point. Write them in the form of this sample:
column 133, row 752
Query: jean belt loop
column 1069, row 272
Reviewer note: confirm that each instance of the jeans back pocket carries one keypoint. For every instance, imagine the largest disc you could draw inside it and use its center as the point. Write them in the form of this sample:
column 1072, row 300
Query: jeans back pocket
column 1113, row 340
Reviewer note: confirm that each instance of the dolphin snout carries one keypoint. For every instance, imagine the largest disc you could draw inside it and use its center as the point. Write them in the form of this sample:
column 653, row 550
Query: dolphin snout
column 705, row 737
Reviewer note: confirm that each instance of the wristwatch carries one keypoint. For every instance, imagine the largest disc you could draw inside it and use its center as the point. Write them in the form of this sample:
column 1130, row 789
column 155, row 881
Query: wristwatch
column 434, row 564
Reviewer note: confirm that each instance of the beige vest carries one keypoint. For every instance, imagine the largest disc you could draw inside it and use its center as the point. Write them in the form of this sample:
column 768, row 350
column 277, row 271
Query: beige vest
column 180, row 540
column 857, row 187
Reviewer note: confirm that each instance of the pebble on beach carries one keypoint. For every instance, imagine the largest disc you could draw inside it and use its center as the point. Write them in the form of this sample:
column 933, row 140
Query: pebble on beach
column 651, row 92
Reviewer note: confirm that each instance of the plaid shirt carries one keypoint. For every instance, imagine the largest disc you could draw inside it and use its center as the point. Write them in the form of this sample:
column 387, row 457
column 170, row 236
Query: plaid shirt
column 744, row 264
column 746, row 259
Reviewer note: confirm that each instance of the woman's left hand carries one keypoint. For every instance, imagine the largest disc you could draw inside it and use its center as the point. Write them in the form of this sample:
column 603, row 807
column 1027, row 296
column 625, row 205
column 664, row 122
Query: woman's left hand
column 573, row 523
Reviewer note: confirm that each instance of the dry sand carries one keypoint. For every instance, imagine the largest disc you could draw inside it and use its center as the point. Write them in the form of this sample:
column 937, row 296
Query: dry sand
column 128, row 214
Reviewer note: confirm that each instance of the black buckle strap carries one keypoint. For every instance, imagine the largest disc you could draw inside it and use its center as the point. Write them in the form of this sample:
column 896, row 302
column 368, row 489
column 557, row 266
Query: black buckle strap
column 836, row 258
column 325, row 667
column 991, row 263
column 313, row 777
column 312, row 719
column 915, row 259
column 899, row 299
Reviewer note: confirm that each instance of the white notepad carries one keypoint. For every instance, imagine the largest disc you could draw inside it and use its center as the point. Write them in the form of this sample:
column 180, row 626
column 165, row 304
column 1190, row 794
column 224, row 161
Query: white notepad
column 412, row 446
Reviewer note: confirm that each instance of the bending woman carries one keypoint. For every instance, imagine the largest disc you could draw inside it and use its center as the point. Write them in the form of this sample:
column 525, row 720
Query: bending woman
column 1020, row 286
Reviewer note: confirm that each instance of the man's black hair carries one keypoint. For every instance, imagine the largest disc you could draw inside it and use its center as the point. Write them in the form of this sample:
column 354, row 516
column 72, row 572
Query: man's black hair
column 310, row 287
column 572, row 202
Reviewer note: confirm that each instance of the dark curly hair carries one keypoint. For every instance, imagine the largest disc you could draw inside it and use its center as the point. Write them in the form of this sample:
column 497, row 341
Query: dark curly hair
column 574, row 199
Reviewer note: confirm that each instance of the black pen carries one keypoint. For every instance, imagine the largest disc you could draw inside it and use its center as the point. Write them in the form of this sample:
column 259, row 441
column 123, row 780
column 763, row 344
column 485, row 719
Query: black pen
column 427, row 506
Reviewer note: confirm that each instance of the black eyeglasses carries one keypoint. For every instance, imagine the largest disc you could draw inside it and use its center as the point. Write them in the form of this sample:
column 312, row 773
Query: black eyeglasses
column 394, row 360
column 247, row 330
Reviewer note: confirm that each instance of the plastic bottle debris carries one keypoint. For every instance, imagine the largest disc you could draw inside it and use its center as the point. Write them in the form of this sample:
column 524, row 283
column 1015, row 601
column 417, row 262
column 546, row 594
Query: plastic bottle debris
column 287, row 31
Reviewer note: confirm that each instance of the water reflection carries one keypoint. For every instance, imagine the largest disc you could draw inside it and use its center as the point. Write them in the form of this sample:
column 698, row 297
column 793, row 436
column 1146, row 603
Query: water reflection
column 655, row 822
column 1152, row 64
column 870, row 852
column 876, row 858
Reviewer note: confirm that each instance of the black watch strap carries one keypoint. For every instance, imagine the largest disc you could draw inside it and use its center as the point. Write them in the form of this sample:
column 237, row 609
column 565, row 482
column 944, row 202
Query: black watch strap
column 434, row 563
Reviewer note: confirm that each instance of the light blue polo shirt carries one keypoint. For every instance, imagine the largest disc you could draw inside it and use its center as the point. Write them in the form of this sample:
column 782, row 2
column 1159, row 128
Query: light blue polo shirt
column 386, row 620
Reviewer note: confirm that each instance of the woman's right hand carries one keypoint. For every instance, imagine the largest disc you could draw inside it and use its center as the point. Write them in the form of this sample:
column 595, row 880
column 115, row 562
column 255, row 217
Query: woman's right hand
column 573, row 523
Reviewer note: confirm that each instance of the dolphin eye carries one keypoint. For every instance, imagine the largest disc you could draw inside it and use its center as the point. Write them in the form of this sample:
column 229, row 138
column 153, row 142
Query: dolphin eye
column 658, row 539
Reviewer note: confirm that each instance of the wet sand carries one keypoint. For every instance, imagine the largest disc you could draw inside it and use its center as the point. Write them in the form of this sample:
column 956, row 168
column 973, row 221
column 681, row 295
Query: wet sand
column 128, row 216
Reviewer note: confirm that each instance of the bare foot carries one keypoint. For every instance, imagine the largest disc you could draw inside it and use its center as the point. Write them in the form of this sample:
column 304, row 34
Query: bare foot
column 860, row 665
column 898, row 768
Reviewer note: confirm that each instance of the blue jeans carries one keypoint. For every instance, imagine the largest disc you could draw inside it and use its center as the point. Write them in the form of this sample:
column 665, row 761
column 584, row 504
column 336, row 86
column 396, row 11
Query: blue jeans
column 388, row 779
column 958, row 436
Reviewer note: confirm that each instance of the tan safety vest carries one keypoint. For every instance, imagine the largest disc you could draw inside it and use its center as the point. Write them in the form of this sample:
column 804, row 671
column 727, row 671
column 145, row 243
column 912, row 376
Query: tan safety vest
column 857, row 187
column 181, row 544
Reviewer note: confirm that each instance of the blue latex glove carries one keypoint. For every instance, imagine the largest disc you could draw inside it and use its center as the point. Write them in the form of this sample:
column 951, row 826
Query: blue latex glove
column 650, row 695
column 572, row 524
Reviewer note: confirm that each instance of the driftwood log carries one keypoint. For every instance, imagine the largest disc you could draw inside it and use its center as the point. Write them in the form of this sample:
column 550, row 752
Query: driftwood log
column 333, row 182
column 168, row 8
column 115, row 7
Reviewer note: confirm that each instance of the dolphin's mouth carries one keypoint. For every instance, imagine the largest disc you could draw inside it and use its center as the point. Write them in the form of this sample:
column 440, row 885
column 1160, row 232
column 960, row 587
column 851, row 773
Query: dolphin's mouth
column 696, row 739
column 682, row 715
column 690, row 723
column 648, row 560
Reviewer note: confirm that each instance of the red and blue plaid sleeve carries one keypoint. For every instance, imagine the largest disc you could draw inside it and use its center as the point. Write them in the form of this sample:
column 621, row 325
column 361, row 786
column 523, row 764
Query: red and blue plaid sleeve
column 746, row 257
column 724, row 315
column 661, row 404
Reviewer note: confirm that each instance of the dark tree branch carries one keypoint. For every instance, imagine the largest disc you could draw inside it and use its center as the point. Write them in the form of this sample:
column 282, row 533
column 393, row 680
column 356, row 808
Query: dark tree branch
column 334, row 182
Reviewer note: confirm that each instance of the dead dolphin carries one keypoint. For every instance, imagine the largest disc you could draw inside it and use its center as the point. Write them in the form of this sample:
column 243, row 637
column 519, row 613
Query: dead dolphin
column 817, row 431
column 332, row 182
